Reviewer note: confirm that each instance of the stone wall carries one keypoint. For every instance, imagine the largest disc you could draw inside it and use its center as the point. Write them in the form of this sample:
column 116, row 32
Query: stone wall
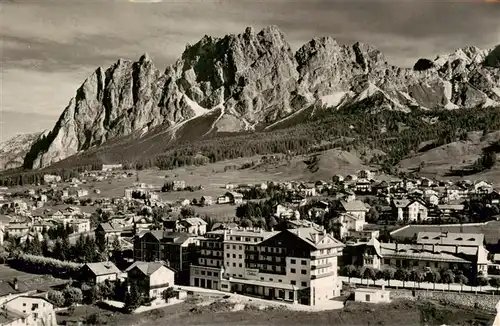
column 482, row 301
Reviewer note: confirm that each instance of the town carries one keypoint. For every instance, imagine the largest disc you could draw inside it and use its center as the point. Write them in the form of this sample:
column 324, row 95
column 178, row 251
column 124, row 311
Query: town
column 364, row 237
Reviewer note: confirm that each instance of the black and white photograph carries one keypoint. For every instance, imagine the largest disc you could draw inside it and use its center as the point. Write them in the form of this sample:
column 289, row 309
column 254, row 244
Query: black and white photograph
column 250, row 162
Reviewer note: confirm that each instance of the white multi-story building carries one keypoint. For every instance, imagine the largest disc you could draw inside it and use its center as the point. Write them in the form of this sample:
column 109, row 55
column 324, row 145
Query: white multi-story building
column 296, row 265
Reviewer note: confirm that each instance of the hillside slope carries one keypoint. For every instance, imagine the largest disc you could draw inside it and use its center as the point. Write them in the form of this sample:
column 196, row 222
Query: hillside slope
column 254, row 81
column 460, row 155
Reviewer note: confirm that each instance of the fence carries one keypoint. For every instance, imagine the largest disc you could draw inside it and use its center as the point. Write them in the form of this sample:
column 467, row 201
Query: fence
column 422, row 285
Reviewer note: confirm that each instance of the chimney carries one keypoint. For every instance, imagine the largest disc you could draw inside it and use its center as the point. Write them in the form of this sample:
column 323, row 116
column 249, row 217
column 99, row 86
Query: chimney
column 315, row 237
column 15, row 284
column 397, row 247
column 456, row 249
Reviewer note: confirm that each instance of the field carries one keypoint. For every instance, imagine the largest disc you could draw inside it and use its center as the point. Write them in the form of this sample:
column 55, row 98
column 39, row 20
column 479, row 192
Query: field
column 396, row 313
column 490, row 229
column 7, row 274
column 439, row 161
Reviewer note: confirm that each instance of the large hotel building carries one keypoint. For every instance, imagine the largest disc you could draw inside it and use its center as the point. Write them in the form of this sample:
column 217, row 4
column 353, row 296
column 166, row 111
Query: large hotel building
column 295, row 265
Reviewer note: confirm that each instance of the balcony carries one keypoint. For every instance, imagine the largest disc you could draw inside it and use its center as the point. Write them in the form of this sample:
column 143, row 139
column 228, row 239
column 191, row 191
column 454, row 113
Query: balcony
column 318, row 266
column 314, row 277
column 267, row 253
column 332, row 254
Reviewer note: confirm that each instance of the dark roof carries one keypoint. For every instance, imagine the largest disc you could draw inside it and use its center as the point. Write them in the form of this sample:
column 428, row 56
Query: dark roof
column 147, row 268
column 7, row 287
column 111, row 227
column 176, row 237
column 103, row 268
column 8, row 316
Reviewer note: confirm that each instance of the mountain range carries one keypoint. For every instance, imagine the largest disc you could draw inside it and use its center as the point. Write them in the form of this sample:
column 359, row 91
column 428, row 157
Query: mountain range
column 253, row 82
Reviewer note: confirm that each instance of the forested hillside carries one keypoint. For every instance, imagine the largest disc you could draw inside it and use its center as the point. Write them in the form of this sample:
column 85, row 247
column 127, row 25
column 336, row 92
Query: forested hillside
column 393, row 132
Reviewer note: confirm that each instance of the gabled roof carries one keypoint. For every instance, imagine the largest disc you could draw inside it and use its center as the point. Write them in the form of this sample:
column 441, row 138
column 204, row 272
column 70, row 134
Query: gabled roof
column 8, row 316
column 234, row 194
column 353, row 206
column 194, row 221
column 413, row 251
column 7, row 287
column 147, row 268
column 111, row 227
column 176, row 237
column 401, row 203
column 448, row 238
column 102, row 268
column 308, row 235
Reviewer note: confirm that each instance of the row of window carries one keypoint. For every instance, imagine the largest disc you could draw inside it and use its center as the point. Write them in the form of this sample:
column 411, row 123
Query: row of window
column 207, row 273
column 293, row 282
column 246, row 239
column 210, row 262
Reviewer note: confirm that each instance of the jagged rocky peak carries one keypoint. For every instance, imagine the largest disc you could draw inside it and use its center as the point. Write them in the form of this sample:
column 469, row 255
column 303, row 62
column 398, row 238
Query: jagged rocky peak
column 253, row 80
column 245, row 72
column 493, row 58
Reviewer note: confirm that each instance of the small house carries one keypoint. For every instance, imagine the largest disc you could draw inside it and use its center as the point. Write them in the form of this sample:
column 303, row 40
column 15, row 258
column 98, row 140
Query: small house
column 35, row 310
column 234, row 197
column 151, row 278
column 193, row 225
column 99, row 272
column 223, row 199
column 372, row 295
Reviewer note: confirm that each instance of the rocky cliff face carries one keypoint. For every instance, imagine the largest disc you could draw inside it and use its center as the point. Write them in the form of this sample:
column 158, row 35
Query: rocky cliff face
column 252, row 80
column 14, row 149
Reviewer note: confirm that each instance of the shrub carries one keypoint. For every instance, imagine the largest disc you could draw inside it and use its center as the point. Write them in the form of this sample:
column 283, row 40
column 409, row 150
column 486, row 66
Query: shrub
column 168, row 294
column 45, row 265
column 72, row 296
column 57, row 298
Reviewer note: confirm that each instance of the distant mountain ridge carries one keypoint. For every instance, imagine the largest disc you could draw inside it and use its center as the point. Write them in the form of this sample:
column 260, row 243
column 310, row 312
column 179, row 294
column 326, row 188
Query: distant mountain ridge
column 253, row 81
column 14, row 149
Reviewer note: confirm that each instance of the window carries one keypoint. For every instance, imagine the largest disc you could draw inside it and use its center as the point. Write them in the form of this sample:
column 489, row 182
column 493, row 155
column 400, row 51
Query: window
column 303, row 283
column 280, row 281
column 228, row 247
column 240, row 256
column 234, row 264
column 239, row 247
column 292, row 261
column 292, row 270
column 293, row 282
column 303, row 262
column 24, row 304
column 234, row 247
column 367, row 298
column 228, row 255
column 270, row 280
column 209, row 273
column 240, row 265
column 234, row 255
column 303, row 272
column 262, row 279
column 202, row 272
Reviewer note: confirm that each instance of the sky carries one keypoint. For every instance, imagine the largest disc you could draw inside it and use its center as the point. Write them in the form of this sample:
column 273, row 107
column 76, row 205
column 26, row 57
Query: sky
column 49, row 47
